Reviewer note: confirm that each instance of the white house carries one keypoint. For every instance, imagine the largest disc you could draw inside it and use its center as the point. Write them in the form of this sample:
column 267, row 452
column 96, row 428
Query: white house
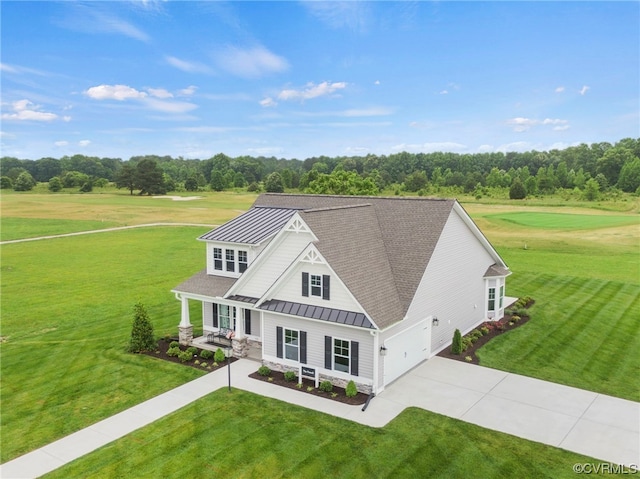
column 346, row 287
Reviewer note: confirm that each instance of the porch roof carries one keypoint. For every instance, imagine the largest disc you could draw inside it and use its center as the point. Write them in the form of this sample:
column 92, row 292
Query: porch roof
column 330, row 315
column 496, row 271
column 205, row 285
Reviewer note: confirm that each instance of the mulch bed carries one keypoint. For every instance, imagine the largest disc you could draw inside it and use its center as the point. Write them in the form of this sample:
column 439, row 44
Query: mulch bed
column 497, row 328
column 161, row 353
column 340, row 395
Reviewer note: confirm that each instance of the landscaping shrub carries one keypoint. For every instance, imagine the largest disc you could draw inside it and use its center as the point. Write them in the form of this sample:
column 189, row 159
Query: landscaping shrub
column 466, row 342
column 264, row 371
column 206, row 354
column 290, row 376
column 326, row 386
column 185, row 356
column 192, row 349
column 173, row 351
column 351, row 389
column 174, row 344
column 468, row 359
column 142, row 331
column 456, row 345
column 219, row 356
column 484, row 330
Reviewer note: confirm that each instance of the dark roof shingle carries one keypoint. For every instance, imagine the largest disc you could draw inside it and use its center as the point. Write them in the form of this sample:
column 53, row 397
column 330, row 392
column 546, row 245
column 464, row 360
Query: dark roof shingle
column 251, row 227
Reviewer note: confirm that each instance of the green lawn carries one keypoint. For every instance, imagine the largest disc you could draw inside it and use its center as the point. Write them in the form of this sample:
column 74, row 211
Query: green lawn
column 563, row 220
column 583, row 333
column 19, row 228
column 239, row 435
column 67, row 310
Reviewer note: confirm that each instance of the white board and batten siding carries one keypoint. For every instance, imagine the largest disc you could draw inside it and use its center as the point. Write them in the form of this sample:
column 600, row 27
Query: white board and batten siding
column 453, row 288
column 316, row 332
column 273, row 262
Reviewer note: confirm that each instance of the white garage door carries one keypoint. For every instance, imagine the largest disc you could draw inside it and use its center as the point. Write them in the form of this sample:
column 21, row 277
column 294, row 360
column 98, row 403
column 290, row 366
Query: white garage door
column 405, row 350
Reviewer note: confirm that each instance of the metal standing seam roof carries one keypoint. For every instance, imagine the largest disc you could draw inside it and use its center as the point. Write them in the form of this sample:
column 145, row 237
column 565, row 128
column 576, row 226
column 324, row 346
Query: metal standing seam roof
column 251, row 227
column 330, row 315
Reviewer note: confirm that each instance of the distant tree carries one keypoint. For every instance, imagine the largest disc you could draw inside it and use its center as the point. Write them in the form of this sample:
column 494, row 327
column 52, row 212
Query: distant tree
column 126, row 178
column 612, row 161
column 149, row 178
column 416, row 181
column 142, row 331
column 602, row 181
column 238, row 180
column 217, row 180
column 24, row 182
column 591, row 190
column 169, row 183
column 342, row 182
column 6, row 183
column 273, row 183
column 87, row 187
column 55, row 184
column 191, row 183
column 629, row 179
column 517, row 190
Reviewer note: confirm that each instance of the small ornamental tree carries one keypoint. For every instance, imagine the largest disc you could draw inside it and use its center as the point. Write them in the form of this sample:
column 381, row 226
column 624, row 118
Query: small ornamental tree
column 55, row 184
column 456, row 345
column 219, row 356
column 517, row 190
column 142, row 331
column 6, row 183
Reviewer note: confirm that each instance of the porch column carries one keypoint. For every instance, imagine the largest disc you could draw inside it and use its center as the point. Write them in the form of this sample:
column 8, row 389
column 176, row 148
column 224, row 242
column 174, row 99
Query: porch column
column 185, row 329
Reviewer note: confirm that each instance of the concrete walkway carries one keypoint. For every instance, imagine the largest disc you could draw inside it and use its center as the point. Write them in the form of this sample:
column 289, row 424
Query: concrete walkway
column 599, row 426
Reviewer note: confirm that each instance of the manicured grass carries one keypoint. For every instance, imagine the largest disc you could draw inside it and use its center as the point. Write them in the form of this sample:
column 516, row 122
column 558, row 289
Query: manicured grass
column 67, row 310
column 240, row 434
column 19, row 228
column 564, row 221
column 583, row 332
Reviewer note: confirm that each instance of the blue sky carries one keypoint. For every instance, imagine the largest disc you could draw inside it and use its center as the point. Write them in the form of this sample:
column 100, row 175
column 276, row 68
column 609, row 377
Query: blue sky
column 301, row 79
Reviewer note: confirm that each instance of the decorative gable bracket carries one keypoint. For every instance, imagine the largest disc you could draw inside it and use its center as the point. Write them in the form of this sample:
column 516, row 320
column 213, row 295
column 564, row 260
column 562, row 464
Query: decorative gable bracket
column 312, row 257
column 297, row 226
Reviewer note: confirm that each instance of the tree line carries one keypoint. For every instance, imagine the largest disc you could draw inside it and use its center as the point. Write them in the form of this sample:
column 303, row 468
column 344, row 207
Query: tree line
column 594, row 168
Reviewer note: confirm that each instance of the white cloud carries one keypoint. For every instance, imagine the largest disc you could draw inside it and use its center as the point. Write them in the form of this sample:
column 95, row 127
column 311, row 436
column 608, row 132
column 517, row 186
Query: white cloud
column 93, row 18
column 560, row 89
column 561, row 128
column 66, row 118
column 251, row 62
column 190, row 90
column 350, row 15
column 485, row 148
column 267, row 150
column 356, row 150
column 5, row 67
column 114, row 92
column 515, row 146
column 169, row 106
column 186, row 66
column 444, row 92
column 84, row 143
column 377, row 82
column 584, row 89
column 311, row 91
column 430, row 147
column 159, row 93
column 61, row 143
column 523, row 124
column 26, row 110
column 268, row 102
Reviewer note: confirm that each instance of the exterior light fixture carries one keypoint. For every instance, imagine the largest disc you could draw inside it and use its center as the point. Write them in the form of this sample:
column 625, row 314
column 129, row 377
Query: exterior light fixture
column 435, row 321
column 383, row 350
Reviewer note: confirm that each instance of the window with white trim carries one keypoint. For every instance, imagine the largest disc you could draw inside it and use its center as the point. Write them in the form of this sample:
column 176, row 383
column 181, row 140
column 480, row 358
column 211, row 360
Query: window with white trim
column 501, row 297
column 242, row 261
column 291, row 344
column 224, row 316
column 492, row 299
column 316, row 284
column 341, row 355
column 231, row 262
column 217, row 259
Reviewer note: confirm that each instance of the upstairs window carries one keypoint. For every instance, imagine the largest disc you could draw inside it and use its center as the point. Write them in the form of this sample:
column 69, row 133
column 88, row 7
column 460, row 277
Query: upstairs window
column 231, row 262
column 316, row 285
column 242, row 261
column 217, row 259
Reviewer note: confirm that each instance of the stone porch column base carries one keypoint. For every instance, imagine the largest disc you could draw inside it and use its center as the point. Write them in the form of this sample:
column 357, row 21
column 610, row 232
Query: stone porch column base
column 185, row 335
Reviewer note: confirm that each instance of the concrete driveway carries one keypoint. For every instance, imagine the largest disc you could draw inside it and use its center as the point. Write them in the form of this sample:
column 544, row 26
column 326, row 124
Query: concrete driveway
column 589, row 423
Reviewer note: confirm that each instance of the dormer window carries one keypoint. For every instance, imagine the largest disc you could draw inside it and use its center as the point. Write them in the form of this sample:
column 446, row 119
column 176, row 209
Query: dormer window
column 231, row 262
column 316, row 285
column 217, row 259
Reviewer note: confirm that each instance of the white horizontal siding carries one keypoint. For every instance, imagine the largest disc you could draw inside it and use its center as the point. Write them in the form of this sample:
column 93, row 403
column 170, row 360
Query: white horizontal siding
column 291, row 289
column 272, row 263
column 452, row 288
column 316, row 331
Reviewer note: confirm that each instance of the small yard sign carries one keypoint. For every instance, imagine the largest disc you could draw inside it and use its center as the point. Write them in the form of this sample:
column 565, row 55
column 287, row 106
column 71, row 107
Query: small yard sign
column 307, row 372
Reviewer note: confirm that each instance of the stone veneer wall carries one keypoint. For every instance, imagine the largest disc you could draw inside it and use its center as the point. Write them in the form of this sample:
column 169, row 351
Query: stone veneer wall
column 339, row 382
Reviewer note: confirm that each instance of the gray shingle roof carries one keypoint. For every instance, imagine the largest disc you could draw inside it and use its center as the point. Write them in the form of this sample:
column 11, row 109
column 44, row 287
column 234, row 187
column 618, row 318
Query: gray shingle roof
column 251, row 227
column 496, row 270
column 380, row 251
column 317, row 312
column 203, row 284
